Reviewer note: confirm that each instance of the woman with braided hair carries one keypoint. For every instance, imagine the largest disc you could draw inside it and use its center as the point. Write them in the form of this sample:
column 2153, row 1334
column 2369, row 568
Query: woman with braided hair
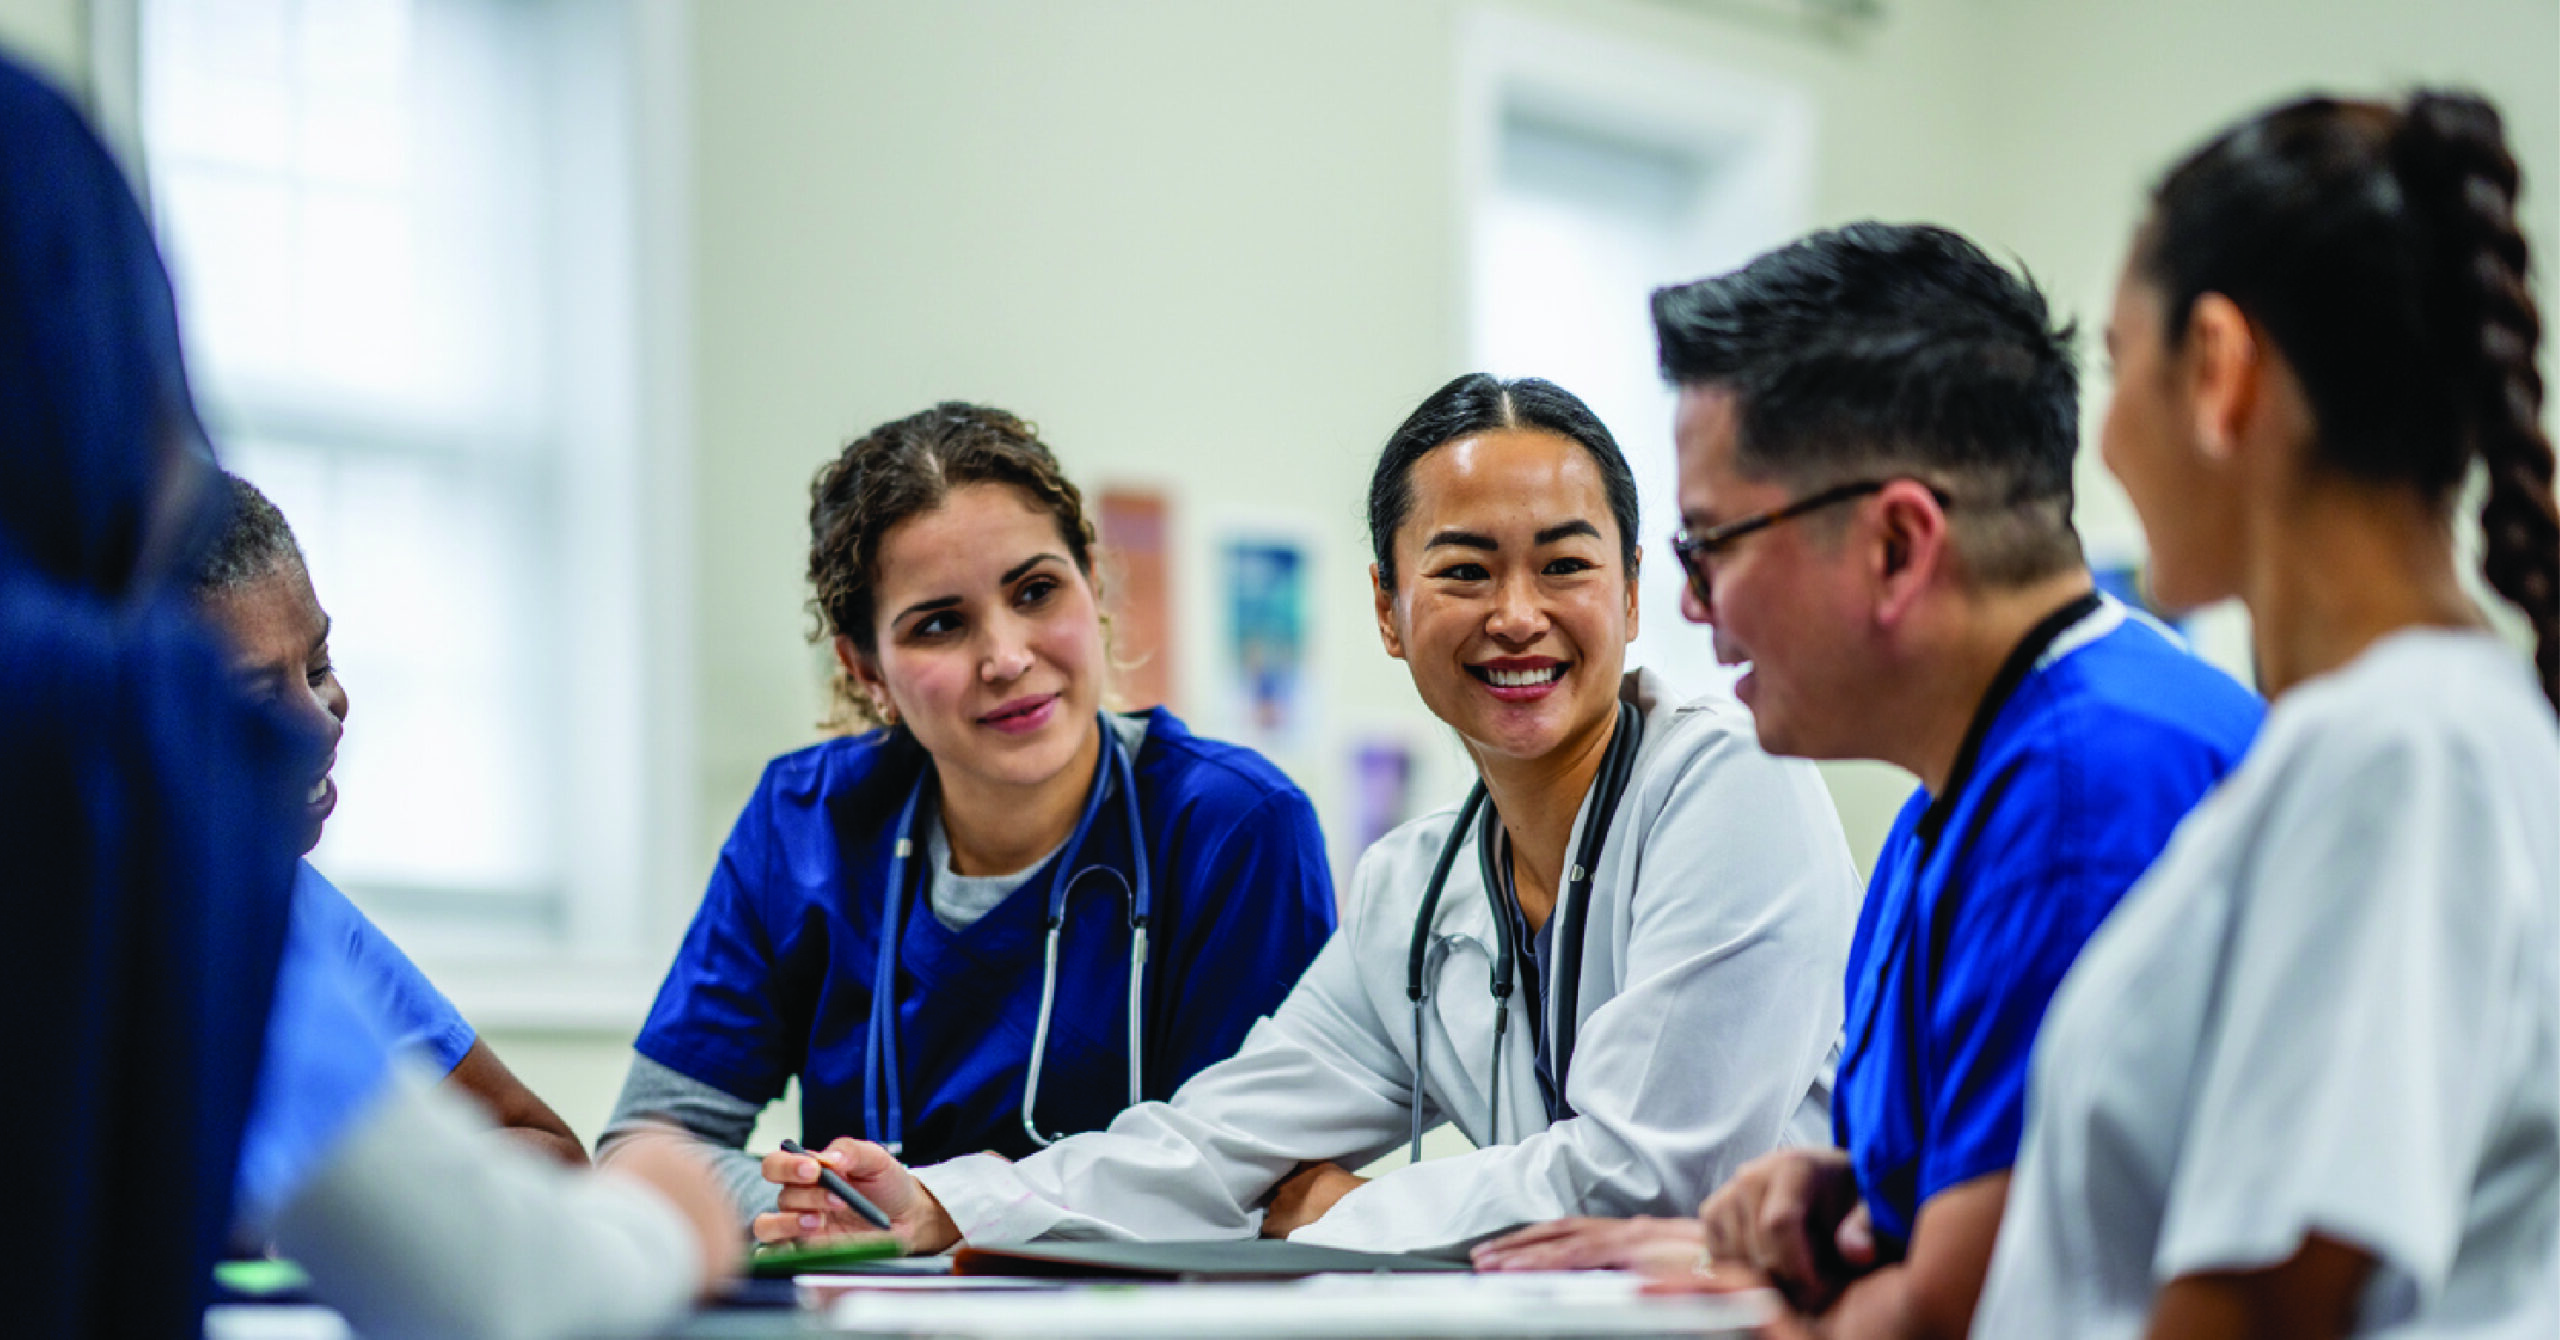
column 2306, row 1081
column 990, row 912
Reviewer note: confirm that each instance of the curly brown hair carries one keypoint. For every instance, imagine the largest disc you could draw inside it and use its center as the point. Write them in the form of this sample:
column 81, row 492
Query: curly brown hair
column 905, row 468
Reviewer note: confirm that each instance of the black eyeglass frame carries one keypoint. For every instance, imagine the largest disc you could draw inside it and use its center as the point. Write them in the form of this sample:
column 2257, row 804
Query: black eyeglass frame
column 1694, row 550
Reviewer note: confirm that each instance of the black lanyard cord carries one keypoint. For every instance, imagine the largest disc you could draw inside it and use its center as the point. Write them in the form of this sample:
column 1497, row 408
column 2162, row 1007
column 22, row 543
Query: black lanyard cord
column 2013, row 672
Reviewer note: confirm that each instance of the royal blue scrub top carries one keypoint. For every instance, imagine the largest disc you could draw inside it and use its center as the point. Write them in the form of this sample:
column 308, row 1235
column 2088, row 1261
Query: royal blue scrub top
column 1980, row 901
column 775, row 977
column 328, row 1059
column 418, row 1017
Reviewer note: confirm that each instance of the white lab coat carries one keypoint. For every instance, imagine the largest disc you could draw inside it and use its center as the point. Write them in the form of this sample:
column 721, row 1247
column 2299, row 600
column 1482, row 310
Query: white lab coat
column 1710, row 1004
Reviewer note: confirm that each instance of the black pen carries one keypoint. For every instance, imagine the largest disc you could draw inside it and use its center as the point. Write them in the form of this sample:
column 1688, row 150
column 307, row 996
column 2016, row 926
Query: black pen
column 841, row 1189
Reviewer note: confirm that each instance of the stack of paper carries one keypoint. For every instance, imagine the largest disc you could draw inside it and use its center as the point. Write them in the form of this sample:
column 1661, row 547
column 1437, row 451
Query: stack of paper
column 1324, row 1307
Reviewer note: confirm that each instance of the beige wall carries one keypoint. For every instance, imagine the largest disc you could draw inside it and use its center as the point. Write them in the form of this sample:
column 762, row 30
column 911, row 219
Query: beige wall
column 50, row 35
column 1210, row 247
column 2097, row 98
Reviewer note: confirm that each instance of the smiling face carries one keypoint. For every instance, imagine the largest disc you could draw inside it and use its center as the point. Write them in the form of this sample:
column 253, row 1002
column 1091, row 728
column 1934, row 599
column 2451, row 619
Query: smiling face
column 279, row 638
column 1513, row 609
column 989, row 639
column 1787, row 599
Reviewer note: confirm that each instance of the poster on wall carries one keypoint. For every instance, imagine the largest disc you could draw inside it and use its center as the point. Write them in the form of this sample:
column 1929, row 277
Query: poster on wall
column 1136, row 532
column 1262, row 583
column 1382, row 789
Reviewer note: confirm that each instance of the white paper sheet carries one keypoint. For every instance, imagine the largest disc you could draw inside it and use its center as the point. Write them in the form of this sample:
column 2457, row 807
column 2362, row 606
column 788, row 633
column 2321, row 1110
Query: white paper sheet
column 1324, row 1307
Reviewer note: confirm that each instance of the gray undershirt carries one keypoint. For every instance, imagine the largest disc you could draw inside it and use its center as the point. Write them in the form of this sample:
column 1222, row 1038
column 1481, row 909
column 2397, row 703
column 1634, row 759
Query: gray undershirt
column 959, row 900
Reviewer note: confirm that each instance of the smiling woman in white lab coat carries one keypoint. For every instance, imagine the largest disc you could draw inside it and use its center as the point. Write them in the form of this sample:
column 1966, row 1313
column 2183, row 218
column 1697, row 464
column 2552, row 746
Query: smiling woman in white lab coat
column 1613, row 968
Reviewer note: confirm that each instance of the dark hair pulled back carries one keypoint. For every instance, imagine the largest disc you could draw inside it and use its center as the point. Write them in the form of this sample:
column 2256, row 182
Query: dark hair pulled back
column 903, row 469
column 1882, row 349
column 1480, row 402
column 2377, row 246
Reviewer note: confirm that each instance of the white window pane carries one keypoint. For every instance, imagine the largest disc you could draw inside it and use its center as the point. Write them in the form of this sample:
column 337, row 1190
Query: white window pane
column 362, row 202
column 231, row 238
column 357, row 314
column 354, row 46
column 216, row 81
column 354, row 71
column 356, row 137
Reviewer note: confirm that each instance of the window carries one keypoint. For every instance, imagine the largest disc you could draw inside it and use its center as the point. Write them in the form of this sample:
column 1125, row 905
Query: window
column 404, row 238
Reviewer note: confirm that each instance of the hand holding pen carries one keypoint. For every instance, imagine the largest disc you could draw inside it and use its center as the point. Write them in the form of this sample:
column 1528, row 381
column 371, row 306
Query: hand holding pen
column 853, row 1186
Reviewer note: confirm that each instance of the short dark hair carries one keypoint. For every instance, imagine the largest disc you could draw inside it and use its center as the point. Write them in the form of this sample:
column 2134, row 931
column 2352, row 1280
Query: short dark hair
column 1479, row 402
column 2377, row 244
column 255, row 541
column 1896, row 348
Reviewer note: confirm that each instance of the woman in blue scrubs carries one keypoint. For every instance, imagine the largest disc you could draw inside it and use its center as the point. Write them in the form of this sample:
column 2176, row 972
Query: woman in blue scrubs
column 1000, row 914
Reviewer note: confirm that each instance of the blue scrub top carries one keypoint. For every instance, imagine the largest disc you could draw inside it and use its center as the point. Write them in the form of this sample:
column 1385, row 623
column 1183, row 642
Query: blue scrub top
column 417, row 1016
column 328, row 1058
column 1977, row 908
column 775, row 977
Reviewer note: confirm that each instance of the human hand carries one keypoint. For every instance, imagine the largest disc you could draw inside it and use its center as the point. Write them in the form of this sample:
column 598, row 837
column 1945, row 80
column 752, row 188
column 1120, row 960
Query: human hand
column 671, row 1164
column 809, row 1212
column 1304, row 1195
column 1653, row 1245
column 1795, row 1217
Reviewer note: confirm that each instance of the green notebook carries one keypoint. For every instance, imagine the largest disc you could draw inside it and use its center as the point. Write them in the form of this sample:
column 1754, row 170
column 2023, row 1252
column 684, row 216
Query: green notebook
column 779, row 1262
column 260, row 1278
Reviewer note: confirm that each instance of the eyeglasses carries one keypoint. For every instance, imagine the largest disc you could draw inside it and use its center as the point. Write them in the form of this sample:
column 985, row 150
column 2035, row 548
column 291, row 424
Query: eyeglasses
column 1693, row 551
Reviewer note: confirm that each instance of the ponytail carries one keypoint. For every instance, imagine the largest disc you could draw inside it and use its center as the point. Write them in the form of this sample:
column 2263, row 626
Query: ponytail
column 2451, row 156
column 2377, row 245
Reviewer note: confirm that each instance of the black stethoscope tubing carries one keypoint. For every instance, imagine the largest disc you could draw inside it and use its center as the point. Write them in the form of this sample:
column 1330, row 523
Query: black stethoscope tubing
column 1563, row 998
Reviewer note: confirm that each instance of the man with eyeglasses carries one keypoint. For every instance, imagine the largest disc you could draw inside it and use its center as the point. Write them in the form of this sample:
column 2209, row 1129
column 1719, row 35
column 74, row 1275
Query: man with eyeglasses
column 1875, row 431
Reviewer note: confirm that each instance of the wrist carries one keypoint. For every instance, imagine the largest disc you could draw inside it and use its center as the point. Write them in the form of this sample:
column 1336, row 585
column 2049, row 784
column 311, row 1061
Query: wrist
column 931, row 1229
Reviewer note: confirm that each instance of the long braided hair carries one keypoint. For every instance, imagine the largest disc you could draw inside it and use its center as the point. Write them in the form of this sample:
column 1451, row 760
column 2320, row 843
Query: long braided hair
column 2377, row 245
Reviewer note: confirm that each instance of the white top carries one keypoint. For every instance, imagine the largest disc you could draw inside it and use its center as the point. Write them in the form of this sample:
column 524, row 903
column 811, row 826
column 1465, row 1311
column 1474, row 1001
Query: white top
column 2331, row 1007
column 1718, row 930
column 422, row 1221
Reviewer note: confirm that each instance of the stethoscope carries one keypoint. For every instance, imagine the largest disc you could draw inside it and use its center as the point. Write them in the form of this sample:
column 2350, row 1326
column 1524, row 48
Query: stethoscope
column 882, row 1097
column 1428, row 952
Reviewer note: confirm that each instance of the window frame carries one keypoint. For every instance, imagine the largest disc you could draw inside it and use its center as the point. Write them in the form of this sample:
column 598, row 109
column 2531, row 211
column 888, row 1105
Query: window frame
column 588, row 959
